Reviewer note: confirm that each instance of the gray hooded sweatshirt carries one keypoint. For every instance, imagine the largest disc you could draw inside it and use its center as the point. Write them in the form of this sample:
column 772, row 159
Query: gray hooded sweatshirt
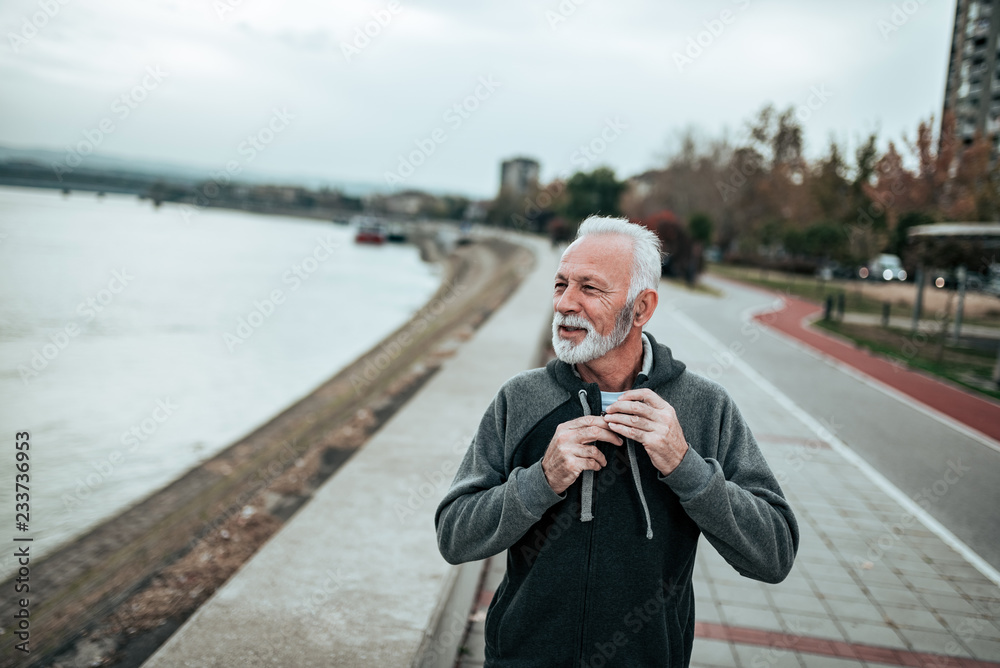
column 601, row 574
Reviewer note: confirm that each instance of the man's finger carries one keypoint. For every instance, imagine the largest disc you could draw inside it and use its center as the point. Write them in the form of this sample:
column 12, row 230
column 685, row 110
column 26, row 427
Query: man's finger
column 592, row 452
column 601, row 433
column 634, row 433
column 645, row 395
column 631, row 408
column 629, row 420
column 586, row 421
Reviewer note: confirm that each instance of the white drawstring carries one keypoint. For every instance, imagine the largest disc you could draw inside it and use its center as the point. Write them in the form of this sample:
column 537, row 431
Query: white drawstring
column 587, row 494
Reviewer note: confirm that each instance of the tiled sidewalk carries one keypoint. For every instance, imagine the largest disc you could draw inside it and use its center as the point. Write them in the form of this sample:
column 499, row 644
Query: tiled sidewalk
column 871, row 585
column 861, row 593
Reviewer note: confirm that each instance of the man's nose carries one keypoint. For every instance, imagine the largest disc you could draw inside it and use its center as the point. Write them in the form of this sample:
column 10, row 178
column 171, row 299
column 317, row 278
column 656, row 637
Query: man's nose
column 567, row 302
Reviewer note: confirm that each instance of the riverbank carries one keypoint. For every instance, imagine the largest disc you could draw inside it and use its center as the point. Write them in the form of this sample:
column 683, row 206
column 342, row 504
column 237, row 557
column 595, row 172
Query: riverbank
column 116, row 593
column 356, row 577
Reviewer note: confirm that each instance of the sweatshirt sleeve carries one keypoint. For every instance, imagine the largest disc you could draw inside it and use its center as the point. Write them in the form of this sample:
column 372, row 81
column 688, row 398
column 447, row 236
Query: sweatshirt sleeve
column 737, row 503
column 487, row 509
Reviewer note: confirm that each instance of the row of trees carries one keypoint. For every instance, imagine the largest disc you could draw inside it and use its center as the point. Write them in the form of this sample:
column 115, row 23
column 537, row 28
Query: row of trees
column 769, row 200
column 761, row 199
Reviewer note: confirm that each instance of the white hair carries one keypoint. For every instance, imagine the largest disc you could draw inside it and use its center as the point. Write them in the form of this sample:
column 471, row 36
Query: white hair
column 646, row 259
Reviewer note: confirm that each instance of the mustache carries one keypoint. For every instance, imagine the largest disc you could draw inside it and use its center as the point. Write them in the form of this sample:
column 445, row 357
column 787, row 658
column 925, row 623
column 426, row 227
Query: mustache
column 561, row 320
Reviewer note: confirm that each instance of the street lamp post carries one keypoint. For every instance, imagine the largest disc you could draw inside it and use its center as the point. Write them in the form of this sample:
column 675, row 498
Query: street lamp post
column 918, row 303
column 962, row 274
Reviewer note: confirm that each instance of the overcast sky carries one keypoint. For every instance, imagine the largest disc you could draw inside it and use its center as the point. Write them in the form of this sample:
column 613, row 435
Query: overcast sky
column 545, row 78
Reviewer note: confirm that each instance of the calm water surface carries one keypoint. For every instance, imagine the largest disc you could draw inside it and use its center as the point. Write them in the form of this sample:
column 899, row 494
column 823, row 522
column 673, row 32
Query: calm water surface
column 136, row 343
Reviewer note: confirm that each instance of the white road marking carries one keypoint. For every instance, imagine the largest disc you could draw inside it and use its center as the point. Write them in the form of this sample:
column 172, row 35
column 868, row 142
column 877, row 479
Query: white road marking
column 846, row 452
column 861, row 377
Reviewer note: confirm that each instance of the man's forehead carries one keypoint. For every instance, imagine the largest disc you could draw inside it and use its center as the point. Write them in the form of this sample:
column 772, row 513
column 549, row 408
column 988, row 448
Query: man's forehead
column 605, row 247
column 596, row 269
column 597, row 255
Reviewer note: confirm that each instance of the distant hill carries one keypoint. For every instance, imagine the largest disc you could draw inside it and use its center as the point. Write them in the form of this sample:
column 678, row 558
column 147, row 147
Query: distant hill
column 185, row 174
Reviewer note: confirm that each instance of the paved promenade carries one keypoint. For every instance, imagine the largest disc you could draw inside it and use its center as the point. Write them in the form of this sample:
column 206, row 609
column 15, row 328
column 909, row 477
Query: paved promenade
column 872, row 584
column 355, row 577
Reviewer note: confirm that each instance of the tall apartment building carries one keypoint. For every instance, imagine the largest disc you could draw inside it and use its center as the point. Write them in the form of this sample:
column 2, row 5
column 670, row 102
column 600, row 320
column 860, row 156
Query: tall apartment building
column 972, row 92
column 519, row 176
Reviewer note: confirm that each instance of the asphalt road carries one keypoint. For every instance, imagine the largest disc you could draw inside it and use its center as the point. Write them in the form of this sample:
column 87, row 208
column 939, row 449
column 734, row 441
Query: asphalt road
column 953, row 476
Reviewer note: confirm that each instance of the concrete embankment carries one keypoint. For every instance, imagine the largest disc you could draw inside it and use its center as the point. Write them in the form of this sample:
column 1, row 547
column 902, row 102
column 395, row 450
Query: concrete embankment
column 355, row 577
column 134, row 578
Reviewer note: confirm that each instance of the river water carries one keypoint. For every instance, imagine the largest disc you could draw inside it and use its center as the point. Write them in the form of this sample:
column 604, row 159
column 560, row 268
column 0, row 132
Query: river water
column 137, row 342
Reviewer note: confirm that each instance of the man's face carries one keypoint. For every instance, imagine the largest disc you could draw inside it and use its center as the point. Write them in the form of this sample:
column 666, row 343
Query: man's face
column 591, row 290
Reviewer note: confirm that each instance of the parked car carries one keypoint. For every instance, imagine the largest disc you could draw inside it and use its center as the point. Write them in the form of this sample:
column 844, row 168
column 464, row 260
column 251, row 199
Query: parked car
column 992, row 287
column 886, row 267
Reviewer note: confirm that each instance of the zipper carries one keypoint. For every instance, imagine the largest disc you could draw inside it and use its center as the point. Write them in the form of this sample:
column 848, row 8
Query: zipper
column 586, row 573
column 586, row 581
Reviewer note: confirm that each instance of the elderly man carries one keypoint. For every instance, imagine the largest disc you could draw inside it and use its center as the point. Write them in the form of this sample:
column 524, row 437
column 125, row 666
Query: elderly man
column 598, row 472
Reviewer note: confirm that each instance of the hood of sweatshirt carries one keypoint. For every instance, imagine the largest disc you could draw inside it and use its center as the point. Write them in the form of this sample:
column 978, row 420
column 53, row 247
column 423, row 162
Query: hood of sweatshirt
column 664, row 369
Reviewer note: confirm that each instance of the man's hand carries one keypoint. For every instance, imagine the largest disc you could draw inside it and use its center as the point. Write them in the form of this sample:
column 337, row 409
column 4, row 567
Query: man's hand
column 571, row 452
column 646, row 418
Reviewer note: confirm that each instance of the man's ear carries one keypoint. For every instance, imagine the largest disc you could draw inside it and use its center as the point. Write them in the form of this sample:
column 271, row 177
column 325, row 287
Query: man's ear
column 644, row 307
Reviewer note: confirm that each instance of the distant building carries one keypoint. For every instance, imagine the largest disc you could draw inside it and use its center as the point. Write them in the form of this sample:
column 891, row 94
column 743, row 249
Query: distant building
column 642, row 185
column 406, row 203
column 519, row 176
column 972, row 91
column 476, row 210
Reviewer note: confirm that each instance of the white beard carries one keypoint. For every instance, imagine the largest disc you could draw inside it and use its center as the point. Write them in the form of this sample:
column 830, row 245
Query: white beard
column 594, row 345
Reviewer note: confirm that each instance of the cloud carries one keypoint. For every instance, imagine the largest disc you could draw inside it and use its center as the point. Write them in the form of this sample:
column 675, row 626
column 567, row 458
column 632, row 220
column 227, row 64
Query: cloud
column 232, row 61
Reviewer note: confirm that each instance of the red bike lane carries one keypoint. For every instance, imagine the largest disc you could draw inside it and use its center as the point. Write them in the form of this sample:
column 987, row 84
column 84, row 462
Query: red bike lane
column 976, row 412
